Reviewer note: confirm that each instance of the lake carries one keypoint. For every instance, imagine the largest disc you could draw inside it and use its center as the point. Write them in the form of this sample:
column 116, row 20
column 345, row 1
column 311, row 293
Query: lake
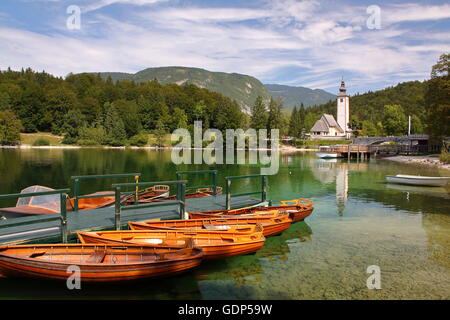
column 358, row 221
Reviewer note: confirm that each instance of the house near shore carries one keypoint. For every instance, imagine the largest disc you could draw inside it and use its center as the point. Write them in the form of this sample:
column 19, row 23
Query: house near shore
column 327, row 128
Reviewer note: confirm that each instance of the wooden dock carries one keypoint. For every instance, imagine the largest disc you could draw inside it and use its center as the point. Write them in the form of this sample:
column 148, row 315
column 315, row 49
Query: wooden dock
column 53, row 228
column 361, row 151
column 104, row 219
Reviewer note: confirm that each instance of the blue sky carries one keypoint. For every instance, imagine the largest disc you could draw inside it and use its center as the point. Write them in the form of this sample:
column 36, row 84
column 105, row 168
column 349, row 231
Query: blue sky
column 301, row 43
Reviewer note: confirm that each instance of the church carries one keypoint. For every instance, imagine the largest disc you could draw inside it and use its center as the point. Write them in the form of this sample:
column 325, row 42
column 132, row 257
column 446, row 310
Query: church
column 327, row 127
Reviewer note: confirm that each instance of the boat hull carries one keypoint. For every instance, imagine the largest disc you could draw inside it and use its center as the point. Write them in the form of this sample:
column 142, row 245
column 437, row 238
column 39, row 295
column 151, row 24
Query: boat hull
column 298, row 210
column 132, row 263
column 418, row 181
column 328, row 155
column 271, row 226
column 214, row 244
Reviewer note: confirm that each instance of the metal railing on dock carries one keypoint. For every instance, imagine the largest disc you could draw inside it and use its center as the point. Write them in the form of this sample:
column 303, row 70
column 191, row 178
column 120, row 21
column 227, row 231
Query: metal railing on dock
column 180, row 199
column 78, row 179
column 263, row 191
column 63, row 210
column 213, row 174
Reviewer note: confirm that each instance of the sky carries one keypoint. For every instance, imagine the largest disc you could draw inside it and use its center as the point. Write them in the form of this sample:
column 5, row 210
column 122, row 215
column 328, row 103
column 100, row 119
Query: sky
column 371, row 44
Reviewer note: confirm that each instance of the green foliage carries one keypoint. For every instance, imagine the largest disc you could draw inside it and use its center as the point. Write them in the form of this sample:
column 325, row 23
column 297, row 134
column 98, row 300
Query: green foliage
column 139, row 140
column 395, row 122
column 258, row 118
column 445, row 155
column 95, row 135
column 41, row 142
column 73, row 120
column 10, row 127
column 437, row 98
column 123, row 108
column 160, row 133
column 238, row 87
column 274, row 119
column 116, row 134
column 370, row 106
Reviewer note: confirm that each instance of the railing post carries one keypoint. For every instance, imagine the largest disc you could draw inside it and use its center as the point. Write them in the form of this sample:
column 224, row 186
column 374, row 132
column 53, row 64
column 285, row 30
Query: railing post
column 117, row 208
column 178, row 177
column 76, row 193
column 63, row 211
column 228, row 194
column 264, row 188
column 181, row 189
column 136, row 195
column 214, row 180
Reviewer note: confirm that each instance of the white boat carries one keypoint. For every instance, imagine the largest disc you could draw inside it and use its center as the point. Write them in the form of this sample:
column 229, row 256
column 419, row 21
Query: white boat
column 328, row 155
column 418, row 180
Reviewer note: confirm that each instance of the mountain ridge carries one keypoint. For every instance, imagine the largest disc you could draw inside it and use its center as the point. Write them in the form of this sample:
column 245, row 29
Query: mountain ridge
column 240, row 87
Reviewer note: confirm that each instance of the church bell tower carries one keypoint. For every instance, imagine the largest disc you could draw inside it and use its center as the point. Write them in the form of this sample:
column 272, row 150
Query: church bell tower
column 343, row 109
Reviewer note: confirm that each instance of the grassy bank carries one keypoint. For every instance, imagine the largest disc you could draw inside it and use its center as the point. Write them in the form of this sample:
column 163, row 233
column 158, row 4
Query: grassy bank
column 40, row 139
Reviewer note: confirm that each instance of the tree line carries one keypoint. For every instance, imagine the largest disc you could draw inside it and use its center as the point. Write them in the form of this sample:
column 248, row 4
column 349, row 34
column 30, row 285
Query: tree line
column 89, row 110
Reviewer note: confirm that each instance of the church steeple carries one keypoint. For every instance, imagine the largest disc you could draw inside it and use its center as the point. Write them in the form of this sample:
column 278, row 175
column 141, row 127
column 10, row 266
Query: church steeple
column 342, row 89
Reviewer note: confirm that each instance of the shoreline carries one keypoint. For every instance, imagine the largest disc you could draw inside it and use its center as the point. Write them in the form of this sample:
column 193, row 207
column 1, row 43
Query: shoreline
column 428, row 160
column 27, row 147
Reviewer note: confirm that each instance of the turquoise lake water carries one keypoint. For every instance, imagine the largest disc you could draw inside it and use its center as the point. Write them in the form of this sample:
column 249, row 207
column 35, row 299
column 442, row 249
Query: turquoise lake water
column 358, row 221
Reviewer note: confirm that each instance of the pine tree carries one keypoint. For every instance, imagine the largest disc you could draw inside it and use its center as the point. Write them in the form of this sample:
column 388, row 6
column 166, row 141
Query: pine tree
column 258, row 119
column 274, row 120
column 115, row 129
column 293, row 123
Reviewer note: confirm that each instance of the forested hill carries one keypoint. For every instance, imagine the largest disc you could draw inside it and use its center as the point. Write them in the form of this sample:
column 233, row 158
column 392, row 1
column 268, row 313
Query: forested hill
column 242, row 88
column 407, row 97
column 294, row 96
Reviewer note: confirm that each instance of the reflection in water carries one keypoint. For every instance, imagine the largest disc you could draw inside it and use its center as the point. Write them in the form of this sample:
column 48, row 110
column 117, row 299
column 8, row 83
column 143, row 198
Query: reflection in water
column 405, row 230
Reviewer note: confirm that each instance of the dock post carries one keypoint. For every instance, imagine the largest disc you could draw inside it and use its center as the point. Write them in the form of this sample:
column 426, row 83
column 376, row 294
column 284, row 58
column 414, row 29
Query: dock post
column 76, row 193
column 181, row 190
column 117, row 208
column 228, row 194
column 263, row 188
column 63, row 210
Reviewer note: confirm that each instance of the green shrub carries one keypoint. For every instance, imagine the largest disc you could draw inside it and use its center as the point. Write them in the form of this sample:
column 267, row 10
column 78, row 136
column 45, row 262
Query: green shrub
column 87, row 142
column 139, row 140
column 444, row 156
column 92, row 135
column 41, row 142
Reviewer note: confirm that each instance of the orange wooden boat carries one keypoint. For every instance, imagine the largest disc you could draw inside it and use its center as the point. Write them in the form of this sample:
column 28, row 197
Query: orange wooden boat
column 97, row 263
column 273, row 224
column 214, row 244
column 298, row 210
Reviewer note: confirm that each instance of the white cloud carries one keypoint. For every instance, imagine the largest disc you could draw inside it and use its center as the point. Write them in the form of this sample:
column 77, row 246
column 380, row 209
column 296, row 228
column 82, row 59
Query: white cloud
column 321, row 41
column 104, row 3
column 415, row 12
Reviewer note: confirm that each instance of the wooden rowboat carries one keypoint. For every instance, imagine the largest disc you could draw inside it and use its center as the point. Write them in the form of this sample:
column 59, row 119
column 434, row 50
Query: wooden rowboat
column 298, row 210
column 214, row 244
column 273, row 224
column 97, row 262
